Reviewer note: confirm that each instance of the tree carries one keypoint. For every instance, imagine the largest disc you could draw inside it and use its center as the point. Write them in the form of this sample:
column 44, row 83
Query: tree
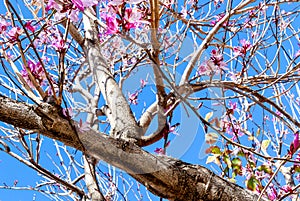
column 66, row 65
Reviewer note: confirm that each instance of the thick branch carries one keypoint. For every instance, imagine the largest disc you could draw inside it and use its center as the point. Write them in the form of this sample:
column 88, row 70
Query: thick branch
column 164, row 176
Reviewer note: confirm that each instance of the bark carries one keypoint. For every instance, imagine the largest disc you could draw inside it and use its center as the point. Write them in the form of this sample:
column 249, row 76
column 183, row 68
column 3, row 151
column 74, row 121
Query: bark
column 164, row 176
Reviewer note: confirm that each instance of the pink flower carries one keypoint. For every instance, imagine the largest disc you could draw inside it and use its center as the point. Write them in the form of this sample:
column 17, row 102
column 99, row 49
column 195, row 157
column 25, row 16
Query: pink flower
column 295, row 144
column 159, row 151
column 29, row 26
column 68, row 112
column 3, row 25
column 78, row 4
column 242, row 50
column 133, row 98
column 36, row 70
column 14, row 33
column 203, row 70
column 59, row 45
column 287, row 189
column 214, row 65
column 112, row 24
column 272, row 193
column 52, row 5
column 83, row 126
column 143, row 83
column 217, row 59
column 297, row 53
column 173, row 129
column 218, row 18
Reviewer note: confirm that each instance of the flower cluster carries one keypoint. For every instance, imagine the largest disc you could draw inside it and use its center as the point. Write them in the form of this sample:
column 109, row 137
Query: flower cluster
column 119, row 17
column 133, row 97
column 36, row 70
column 214, row 65
column 242, row 50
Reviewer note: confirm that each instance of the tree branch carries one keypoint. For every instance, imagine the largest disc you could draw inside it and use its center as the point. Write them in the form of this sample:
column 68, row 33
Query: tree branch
column 167, row 177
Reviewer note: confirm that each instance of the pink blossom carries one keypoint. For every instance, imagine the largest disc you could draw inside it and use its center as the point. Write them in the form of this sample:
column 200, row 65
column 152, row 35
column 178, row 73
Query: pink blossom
column 36, row 70
column 59, row 45
column 173, row 129
column 272, row 193
column 297, row 53
column 218, row 18
column 295, row 144
column 112, row 23
column 217, row 59
column 133, row 98
column 115, row 2
column 74, row 16
column 78, row 4
column 232, row 105
column 287, row 189
column 83, row 126
column 242, row 50
column 203, row 70
column 14, row 33
column 214, row 65
column 159, row 151
column 3, row 25
column 68, row 112
column 143, row 83
column 131, row 17
column 53, row 5
column 29, row 26
column 81, row 4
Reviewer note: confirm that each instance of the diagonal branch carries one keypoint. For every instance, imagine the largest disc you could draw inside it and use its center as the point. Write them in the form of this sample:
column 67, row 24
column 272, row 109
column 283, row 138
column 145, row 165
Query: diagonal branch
column 167, row 177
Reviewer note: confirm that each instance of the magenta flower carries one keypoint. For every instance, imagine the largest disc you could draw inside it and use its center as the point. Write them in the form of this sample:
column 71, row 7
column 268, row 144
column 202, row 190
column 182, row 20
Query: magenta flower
column 295, row 144
column 78, row 4
column 132, row 18
column 52, row 5
column 14, row 33
column 272, row 193
column 287, row 189
column 133, row 98
column 112, row 23
column 143, row 83
column 3, row 25
column 159, row 151
column 36, row 70
column 59, row 45
column 29, row 26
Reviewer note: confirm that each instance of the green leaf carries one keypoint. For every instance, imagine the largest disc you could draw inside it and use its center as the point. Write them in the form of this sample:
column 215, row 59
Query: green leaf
column 226, row 159
column 216, row 150
column 265, row 144
column 297, row 168
column 236, row 163
column 265, row 168
column 252, row 183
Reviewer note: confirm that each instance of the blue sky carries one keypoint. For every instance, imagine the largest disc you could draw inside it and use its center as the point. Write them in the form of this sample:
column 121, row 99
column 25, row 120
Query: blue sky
column 186, row 146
